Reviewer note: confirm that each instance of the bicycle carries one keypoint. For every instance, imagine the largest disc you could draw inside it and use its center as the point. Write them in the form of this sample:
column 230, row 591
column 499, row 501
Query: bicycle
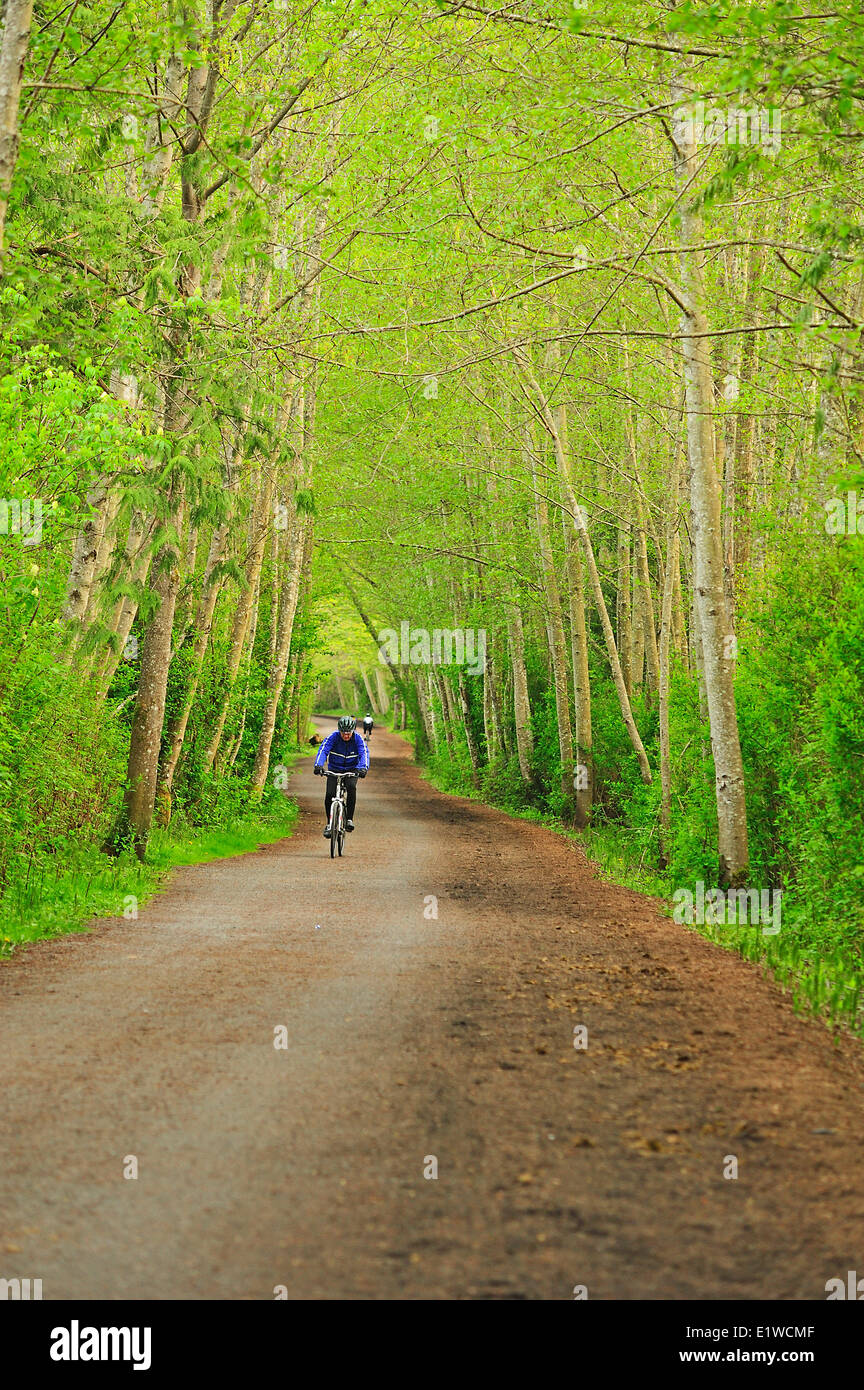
column 339, row 813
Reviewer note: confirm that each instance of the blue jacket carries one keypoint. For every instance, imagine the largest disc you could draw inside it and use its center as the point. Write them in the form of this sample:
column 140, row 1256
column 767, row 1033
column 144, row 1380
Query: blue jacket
column 344, row 757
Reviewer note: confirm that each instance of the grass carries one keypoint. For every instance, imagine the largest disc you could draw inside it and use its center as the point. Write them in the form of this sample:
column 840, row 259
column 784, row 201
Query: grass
column 825, row 983
column 63, row 896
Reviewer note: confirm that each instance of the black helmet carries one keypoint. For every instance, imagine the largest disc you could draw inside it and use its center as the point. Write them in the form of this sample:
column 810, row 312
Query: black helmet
column 347, row 724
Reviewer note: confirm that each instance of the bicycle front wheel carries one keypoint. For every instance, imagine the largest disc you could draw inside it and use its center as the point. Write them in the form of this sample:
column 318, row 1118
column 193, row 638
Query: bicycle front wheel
column 335, row 821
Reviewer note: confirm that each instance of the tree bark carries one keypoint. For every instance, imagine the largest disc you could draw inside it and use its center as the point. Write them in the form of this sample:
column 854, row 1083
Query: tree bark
column 288, row 608
column 740, row 472
column 85, row 558
column 516, row 643
column 556, row 637
column 652, row 659
column 211, row 588
column 623, row 601
column 373, row 703
column 383, row 697
column 714, row 622
column 470, row 738
column 137, row 814
column 666, row 621
column 637, row 621
column 583, row 751
column 137, row 561
column 14, row 43
column 258, row 529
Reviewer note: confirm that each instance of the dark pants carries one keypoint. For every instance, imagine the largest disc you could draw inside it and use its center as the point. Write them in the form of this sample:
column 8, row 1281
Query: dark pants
column 351, row 797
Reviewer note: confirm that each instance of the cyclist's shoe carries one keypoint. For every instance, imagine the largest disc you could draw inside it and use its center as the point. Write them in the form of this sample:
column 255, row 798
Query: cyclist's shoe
column 326, row 832
column 349, row 825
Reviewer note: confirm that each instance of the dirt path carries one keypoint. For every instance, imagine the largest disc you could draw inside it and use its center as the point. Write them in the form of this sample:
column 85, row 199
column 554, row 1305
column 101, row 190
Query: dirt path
column 409, row 1037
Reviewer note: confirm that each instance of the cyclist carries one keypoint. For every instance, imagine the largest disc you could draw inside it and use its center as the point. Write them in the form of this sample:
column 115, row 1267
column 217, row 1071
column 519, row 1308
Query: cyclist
column 347, row 752
column 367, row 727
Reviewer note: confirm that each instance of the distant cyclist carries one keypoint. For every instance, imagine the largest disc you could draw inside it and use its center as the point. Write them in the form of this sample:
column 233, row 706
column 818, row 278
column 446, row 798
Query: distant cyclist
column 347, row 752
column 367, row 727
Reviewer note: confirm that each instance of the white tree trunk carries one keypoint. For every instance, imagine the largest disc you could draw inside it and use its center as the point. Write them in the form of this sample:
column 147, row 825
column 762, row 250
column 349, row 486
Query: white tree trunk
column 715, row 628
column 14, row 42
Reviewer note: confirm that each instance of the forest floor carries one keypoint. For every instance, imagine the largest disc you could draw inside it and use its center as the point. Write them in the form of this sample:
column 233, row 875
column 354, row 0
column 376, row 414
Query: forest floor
column 412, row 1037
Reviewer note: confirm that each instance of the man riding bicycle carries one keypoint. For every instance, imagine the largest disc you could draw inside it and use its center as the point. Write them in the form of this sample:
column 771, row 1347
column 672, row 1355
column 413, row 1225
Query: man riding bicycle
column 347, row 752
column 367, row 727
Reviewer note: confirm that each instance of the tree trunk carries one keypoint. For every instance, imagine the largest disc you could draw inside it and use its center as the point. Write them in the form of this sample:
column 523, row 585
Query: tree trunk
column 85, row 555
column 226, row 758
column 203, row 623
column 521, row 704
column 258, row 530
column 383, row 697
column 446, row 715
column 137, row 813
column 14, row 42
column 679, row 624
column 584, row 778
column 488, row 721
column 740, row 472
column 637, row 622
column 373, row 703
column 516, row 643
column 149, row 713
column 276, row 681
column 666, row 619
column 492, row 678
column 137, row 560
column 714, row 624
column 557, row 639
column 652, row 658
column 274, row 593
column 104, row 548
column 622, row 607
column 424, row 704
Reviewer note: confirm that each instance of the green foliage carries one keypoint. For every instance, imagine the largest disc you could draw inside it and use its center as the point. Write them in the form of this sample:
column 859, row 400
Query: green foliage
column 467, row 205
column 802, row 716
